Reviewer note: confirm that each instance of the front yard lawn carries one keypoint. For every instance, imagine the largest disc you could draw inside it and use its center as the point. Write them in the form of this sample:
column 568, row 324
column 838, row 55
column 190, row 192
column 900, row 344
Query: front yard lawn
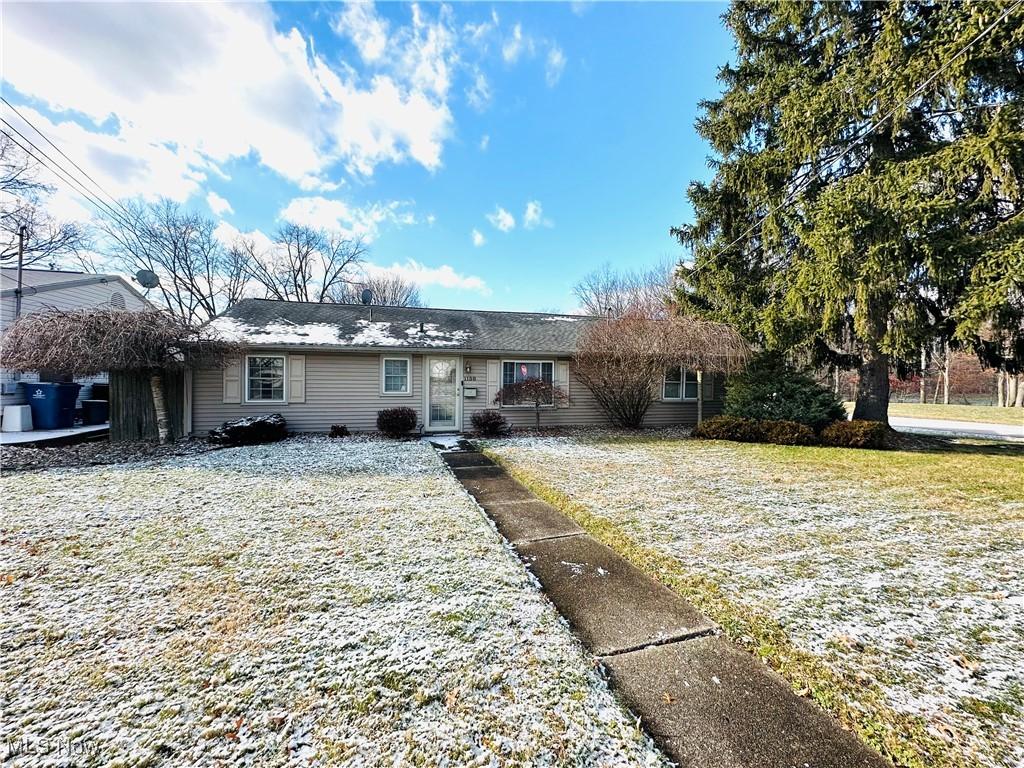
column 314, row 602
column 886, row 585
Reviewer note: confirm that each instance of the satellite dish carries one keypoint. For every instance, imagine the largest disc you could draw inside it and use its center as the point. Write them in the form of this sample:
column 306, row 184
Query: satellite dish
column 147, row 278
column 367, row 296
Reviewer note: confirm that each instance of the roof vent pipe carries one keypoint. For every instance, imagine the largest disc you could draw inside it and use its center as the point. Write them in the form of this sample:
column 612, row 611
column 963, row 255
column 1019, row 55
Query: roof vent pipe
column 421, row 326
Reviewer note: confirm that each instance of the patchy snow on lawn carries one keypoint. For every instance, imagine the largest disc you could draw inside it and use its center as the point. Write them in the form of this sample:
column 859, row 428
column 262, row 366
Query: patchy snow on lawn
column 313, row 602
column 925, row 602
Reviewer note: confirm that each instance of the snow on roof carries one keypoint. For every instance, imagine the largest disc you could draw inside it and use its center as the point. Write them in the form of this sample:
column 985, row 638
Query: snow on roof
column 268, row 323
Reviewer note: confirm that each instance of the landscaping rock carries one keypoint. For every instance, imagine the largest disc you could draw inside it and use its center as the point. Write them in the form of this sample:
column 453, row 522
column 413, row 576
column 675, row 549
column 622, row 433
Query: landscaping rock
column 252, row 430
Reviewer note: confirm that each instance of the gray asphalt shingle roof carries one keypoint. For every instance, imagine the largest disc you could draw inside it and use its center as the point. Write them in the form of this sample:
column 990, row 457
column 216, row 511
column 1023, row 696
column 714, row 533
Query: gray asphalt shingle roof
column 354, row 326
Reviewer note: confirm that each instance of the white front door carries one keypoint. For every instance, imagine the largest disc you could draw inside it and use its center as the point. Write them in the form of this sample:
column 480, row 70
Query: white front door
column 442, row 393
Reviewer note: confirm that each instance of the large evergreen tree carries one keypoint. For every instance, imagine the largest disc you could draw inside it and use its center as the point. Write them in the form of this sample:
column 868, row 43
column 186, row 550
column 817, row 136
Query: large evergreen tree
column 869, row 184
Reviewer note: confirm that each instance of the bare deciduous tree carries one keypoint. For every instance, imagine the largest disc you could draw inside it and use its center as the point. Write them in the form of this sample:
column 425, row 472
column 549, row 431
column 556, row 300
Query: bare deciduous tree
column 88, row 341
column 23, row 204
column 607, row 292
column 387, row 289
column 199, row 277
column 622, row 361
column 304, row 263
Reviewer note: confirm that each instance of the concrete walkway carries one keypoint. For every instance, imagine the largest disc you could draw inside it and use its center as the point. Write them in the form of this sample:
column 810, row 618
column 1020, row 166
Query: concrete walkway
column 53, row 437
column 705, row 701
column 949, row 428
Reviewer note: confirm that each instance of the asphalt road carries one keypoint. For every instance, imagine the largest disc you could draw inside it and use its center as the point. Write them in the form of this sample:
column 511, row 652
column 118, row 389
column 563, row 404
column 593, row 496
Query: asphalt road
column 958, row 428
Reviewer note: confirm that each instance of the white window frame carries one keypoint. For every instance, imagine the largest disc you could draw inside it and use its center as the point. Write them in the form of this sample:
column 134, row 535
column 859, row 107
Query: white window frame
column 516, row 361
column 408, row 375
column 284, row 383
column 682, row 387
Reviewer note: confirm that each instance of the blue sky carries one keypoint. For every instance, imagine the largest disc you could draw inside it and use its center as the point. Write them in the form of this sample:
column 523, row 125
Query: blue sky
column 494, row 153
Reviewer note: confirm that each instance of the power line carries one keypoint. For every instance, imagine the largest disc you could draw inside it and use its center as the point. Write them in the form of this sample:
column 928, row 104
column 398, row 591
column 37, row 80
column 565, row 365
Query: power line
column 792, row 196
column 59, row 173
column 63, row 154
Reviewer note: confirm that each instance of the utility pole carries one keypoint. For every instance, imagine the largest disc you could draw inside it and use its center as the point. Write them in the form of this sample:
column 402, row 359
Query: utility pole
column 22, row 230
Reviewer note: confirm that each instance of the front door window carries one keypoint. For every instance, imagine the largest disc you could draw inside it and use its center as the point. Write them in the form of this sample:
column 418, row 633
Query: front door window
column 442, row 393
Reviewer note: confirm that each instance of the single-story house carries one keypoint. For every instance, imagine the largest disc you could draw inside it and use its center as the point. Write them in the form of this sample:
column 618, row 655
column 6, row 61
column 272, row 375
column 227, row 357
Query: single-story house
column 325, row 364
column 51, row 289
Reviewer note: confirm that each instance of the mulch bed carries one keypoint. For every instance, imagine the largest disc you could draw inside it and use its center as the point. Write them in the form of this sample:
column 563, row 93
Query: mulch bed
column 28, row 459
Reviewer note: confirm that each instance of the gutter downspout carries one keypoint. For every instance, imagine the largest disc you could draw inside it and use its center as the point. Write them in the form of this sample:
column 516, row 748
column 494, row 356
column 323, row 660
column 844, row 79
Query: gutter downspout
column 700, row 396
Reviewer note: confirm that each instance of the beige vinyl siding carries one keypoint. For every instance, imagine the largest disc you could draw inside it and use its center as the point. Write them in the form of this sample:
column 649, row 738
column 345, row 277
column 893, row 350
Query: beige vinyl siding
column 345, row 388
column 93, row 296
column 341, row 388
column 582, row 410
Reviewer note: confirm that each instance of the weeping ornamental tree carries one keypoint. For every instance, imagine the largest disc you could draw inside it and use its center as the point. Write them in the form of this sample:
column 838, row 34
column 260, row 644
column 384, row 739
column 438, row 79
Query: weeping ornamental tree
column 90, row 341
column 622, row 361
column 868, row 196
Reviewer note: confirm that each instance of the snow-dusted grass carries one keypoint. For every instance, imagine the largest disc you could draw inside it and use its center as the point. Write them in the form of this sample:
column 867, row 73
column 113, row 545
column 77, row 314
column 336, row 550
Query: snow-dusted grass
column 887, row 585
column 313, row 602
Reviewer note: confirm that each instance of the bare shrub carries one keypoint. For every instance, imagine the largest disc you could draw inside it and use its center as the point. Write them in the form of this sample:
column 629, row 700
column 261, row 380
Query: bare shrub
column 622, row 361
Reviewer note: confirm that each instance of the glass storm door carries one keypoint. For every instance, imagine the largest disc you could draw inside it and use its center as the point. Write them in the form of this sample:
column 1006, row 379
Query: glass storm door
column 442, row 392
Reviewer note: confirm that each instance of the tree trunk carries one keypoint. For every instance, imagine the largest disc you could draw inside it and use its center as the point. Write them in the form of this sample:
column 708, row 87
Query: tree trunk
column 1018, row 401
column 873, row 388
column 1011, row 391
column 536, row 413
column 163, row 419
column 923, row 395
column 700, row 396
column 945, row 379
column 1000, row 402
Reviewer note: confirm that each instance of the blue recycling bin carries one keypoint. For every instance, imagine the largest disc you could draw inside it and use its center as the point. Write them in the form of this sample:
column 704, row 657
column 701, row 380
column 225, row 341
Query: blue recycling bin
column 53, row 405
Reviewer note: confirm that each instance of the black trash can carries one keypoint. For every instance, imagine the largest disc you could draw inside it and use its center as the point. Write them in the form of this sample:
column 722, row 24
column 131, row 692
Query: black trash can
column 100, row 391
column 95, row 411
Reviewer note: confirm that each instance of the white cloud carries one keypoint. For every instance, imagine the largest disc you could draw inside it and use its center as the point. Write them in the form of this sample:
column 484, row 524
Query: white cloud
column 228, row 234
column 218, row 204
column 485, row 142
column 166, row 94
column 350, row 220
column 579, row 7
column 478, row 238
column 534, row 215
column 554, row 66
column 444, row 276
column 311, row 183
column 360, row 22
column 479, row 93
column 502, row 219
column 516, row 45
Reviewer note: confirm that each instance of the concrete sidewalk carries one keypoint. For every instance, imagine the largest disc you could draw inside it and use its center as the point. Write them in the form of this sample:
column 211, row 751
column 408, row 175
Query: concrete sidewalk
column 705, row 701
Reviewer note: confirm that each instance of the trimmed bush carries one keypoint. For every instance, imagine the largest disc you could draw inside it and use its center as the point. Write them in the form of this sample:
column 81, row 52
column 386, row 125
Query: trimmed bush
column 729, row 428
column 770, row 389
column 396, row 422
column 856, row 434
column 339, row 430
column 252, row 430
column 788, row 433
column 489, row 423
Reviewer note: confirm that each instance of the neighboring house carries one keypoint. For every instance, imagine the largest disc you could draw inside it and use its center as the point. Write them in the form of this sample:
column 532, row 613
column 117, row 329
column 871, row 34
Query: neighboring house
column 324, row 364
column 43, row 290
